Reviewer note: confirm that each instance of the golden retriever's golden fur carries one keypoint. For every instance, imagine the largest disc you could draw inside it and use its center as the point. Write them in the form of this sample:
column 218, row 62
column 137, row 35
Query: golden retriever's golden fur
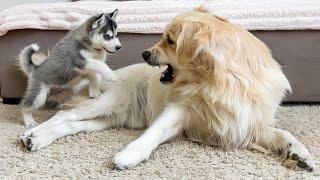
column 220, row 87
column 228, row 80
column 233, row 83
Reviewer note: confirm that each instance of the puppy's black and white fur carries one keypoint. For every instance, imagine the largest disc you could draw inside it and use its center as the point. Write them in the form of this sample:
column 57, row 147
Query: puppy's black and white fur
column 81, row 53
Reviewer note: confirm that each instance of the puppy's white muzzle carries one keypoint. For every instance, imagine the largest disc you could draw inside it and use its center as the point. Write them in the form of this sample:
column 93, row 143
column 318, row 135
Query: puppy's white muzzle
column 113, row 45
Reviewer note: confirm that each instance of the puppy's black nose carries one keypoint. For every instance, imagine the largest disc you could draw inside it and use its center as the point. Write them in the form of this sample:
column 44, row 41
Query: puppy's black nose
column 118, row 47
column 146, row 55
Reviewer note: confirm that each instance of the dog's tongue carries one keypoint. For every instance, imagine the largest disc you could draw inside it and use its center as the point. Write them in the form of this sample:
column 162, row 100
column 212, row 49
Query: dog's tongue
column 167, row 75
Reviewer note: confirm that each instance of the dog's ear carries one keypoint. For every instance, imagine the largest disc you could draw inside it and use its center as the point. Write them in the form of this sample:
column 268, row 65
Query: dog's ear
column 114, row 14
column 98, row 21
column 201, row 9
column 185, row 45
column 221, row 18
column 205, row 10
column 203, row 57
column 194, row 46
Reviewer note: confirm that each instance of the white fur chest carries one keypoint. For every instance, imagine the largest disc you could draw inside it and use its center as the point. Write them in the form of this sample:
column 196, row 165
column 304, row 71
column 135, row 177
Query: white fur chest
column 94, row 54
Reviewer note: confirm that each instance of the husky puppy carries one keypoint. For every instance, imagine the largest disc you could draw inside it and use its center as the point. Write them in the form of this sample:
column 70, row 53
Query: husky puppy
column 81, row 53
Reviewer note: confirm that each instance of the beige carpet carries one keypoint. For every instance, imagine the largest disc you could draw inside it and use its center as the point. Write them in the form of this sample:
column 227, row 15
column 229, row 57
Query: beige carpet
column 90, row 155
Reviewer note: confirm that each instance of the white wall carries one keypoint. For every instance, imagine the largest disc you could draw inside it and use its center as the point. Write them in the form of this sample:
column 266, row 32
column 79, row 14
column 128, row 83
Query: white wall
column 4, row 4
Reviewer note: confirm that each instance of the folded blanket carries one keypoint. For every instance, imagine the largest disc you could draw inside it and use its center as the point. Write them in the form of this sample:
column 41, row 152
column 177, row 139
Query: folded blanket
column 153, row 16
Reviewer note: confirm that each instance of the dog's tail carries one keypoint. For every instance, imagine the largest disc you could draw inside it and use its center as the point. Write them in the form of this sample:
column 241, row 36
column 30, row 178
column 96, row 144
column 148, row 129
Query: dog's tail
column 29, row 57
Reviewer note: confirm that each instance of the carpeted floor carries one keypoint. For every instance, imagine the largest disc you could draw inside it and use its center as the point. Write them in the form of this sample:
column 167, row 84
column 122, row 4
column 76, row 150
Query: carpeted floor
column 90, row 155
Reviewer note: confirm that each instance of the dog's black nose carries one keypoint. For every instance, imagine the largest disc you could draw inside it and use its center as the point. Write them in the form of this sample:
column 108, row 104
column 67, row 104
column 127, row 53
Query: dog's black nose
column 118, row 47
column 146, row 55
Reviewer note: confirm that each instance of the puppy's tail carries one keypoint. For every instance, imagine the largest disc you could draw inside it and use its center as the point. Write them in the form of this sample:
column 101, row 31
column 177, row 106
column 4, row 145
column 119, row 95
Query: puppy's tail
column 29, row 57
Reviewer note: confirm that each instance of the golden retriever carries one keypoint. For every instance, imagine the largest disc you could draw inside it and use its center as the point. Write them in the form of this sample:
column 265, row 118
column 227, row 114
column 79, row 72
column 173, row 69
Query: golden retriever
column 219, row 85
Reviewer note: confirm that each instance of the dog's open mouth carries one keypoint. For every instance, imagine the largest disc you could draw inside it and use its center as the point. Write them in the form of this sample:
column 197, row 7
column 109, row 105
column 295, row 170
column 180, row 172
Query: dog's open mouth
column 168, row 75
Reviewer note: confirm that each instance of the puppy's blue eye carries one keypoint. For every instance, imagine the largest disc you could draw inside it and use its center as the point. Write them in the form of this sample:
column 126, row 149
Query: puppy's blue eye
column 106, row 36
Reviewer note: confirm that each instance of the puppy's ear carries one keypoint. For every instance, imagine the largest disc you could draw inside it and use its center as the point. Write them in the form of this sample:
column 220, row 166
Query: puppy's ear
column 98, row 21
column 114, row 14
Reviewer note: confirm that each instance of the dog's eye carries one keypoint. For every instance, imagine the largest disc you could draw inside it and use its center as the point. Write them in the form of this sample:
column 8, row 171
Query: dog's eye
column 106, row 36
column 170, row 41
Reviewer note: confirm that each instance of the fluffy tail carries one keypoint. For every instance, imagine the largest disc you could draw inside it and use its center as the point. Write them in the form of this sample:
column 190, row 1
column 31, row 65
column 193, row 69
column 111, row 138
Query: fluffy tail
column 30, row 57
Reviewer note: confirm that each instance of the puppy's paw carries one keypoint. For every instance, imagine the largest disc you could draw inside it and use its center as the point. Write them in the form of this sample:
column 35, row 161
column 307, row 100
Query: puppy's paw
column 298, row 156
column 130, row 157
column 30, row 123
column 28, row 120
column 94, row 93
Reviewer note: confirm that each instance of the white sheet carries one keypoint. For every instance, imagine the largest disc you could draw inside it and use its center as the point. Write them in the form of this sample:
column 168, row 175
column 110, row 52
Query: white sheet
column 153, row 16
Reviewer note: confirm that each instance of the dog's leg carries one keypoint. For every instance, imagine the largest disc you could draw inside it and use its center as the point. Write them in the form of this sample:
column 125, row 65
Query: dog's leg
column 90, row 109
column 166, row 126
column 44, row 137
column 294, row 152
column 35, row 98
column 97, row 66
column 94, row 85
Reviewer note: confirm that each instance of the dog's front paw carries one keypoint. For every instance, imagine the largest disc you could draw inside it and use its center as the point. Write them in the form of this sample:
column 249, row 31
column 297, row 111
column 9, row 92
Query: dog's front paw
column 24, row 137
column 130, row 157
column 94, row 93
column 298, row 156
column 23, row 140
column 35, row 141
